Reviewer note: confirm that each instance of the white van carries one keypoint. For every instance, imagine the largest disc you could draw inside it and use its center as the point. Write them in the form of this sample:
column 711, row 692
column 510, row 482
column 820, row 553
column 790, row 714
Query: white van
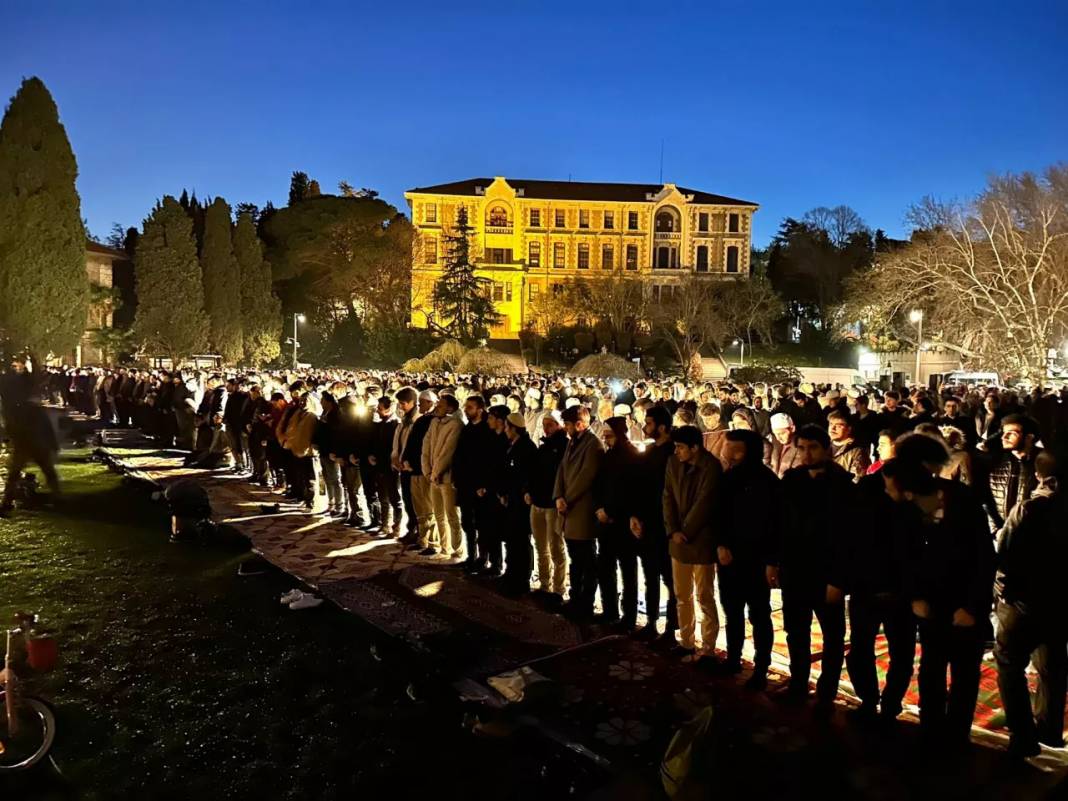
column 846, row 376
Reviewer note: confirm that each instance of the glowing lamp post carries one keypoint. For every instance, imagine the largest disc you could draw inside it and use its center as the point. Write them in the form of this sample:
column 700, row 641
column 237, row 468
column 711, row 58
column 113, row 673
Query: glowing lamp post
column 297, row 318
column 916, row 316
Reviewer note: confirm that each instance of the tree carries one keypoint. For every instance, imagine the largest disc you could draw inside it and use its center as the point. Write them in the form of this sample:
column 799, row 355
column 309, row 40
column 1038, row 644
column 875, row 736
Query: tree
column 687, row 321
column 619, row 306
column 810, row 259
column 461, row 297
column 250, row 209
column 44, row 286
column 749, row 307
column 298, row 187
column 222, row 284
column 117, row 237
column 347, row 190
column 170, row 293
column 990, row 276
column 261, row 311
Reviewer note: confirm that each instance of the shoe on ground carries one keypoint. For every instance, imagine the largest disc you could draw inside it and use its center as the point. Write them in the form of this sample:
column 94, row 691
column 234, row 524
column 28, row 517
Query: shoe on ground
column 864, row 715
column 682, row 652
column 426, row 551
column 730, row 667
column 797, row 691
column 291, row 596
column 646, row 633
column 252, row 567
column 623, row 626
column 306, row 601
column 665, row 641
column 757, row 682
column 415, row 546
column 711, row 664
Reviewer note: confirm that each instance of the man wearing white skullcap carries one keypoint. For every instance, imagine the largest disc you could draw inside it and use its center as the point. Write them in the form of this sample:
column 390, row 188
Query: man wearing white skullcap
column 784, row 453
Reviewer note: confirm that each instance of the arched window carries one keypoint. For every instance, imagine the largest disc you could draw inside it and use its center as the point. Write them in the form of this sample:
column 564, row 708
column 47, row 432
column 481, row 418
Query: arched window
column 497, row 217
column 667, row 221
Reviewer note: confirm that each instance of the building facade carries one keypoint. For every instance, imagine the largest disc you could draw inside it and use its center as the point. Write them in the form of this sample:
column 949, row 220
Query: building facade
column 530, row 237
column 100, row 265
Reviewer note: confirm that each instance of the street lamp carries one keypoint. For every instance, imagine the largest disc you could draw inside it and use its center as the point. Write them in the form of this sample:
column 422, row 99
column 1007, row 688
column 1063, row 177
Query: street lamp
column 741, row 351
column 916, row 316
column 297, row 318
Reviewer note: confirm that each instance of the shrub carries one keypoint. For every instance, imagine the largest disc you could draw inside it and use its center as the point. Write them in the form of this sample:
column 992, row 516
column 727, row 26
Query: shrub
column 606, row 365
column 485, row 361
column 766, row 373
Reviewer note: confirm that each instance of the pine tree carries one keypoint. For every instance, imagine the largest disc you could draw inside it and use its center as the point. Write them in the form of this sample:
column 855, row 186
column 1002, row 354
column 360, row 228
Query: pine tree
column 44, row 286
column 222, row 284
column 261, row 311
column 460, row 296
column 298, row 187
column 170, row 293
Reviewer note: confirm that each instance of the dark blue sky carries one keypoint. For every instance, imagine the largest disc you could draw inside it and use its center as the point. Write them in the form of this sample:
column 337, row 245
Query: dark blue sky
column 792, row 104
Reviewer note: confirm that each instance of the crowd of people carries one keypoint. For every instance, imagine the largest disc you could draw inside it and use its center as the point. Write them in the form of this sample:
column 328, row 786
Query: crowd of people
column 928, row 515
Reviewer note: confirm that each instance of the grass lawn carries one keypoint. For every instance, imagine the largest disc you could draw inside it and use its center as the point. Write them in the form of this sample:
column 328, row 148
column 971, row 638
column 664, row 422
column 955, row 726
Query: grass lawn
column 177, row 679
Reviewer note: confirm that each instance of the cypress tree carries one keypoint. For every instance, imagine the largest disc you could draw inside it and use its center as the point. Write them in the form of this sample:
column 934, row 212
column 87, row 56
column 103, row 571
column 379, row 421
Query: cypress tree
column 222, row 283
column 261, row 311
column 44, row 285
column 170, row 293
column 461, row 296
column 298, row 187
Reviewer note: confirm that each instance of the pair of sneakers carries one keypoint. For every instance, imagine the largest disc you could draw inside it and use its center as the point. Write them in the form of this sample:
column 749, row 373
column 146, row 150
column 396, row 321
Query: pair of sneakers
column 298, row 599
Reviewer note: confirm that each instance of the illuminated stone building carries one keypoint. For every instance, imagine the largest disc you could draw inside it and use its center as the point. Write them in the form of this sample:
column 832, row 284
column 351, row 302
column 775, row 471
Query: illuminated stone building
column 531, row 237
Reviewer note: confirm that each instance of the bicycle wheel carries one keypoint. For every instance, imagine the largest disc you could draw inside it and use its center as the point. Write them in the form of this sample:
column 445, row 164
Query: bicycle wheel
column 36, row 733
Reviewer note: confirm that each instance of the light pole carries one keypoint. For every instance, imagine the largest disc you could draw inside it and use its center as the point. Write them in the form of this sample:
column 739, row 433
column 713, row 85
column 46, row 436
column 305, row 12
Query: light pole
column 916, row 316
column 297, row 318
column 741, row 351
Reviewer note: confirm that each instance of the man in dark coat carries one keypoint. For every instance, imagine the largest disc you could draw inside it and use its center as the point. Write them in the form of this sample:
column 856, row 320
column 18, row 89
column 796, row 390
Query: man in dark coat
column 818, row 496
column 617, row 550
column 32, row 437
column 520, row 462
column 1032, row 551
column 647, row 525
column 474, row 475
column 951, row 583
column 575, row 503
column 747, row 517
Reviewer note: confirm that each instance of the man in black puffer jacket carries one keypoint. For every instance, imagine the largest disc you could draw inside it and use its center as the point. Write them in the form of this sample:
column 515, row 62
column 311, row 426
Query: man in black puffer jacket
column 1012, row 476
column 748, row 517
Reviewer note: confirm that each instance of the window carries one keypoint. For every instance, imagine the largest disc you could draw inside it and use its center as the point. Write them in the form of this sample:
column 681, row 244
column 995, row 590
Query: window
column 534, row 254
column 732, row 259
column 430, row 250
column 667, row 222
column 532, row 292
column 558, row 289
column 558, row 218
column 499, row 255
column 608, row 257
column 632, row 257
column 558, row 254
column 508, row 292
column 535, row 218
column 663, row 259
column 498, row 217
column 609, row 220
column 632, row 221
column 702, row 221
column 584, row 257
column 732, row 223
column 498, row 291
column 430, row 213
column 584, row 218
column 702, row 258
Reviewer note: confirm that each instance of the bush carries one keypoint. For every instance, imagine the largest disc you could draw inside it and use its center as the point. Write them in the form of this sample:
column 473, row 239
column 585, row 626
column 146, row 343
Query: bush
column 414, row 366
column 766, row 373
column 606, row 365
column 445, row 356
column 485, row 361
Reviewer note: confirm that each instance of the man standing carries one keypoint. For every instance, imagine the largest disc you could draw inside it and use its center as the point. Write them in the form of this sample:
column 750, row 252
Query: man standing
column 544, row 521
column 387, row 479
column 439, row 450
column 1032, row 550
column 818, row 497
column 647, row 525
column 784, row 454
column 473, row 482
column 1012, row 477
column 30, row 431
column 845, row 450
column 412, row 464
column 749, row 517
column 520, row 463
column 951, row 581
column 575, row 504
column 690, row 489
column 408, row 414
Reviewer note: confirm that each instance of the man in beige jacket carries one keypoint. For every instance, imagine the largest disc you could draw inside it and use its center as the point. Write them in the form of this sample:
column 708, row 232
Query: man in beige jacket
column 438, row 451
